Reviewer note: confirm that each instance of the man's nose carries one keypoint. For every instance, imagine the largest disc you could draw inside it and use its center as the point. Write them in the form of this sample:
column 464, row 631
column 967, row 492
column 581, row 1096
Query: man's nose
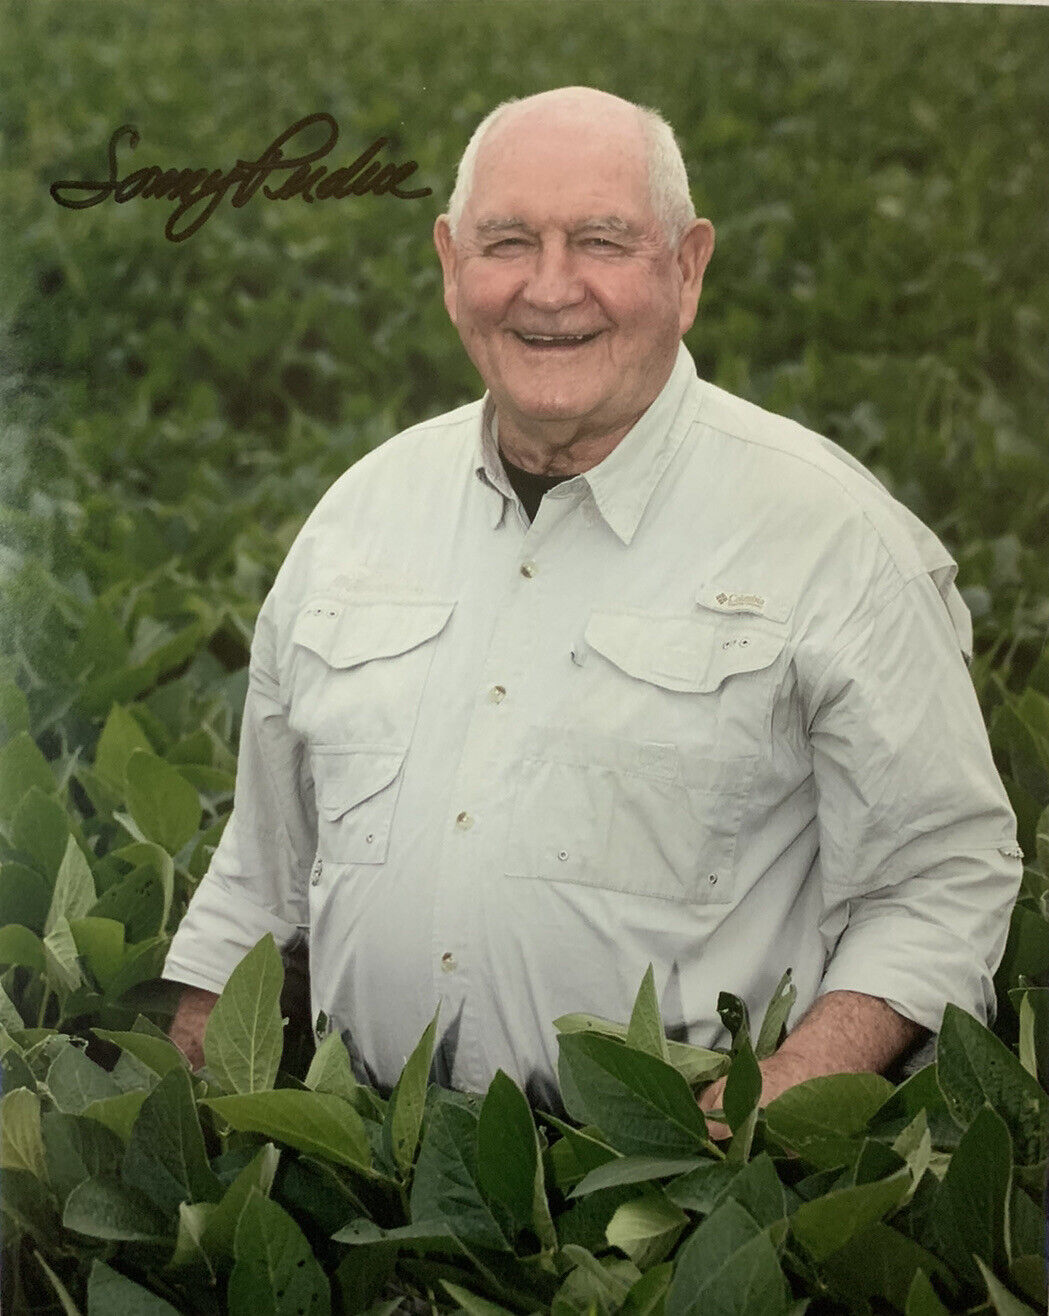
column 554, row 280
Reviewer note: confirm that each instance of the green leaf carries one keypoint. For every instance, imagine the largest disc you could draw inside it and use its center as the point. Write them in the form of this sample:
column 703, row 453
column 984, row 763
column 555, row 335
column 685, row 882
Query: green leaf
column 775, row 1020
column 221, row 1227
column 100, row 942
column 922, row 1299
column 166, row 1159
column 973, row 1067
column 14, row 710
column 142, row 961
column 822, row 1118
column 111, row 1294
column 20, row 946
column 509, row 1164
column 646, row 1032
column 69, row 1307
column 189, row 1252
column 275, row 1273
column 76, row 1149
column 22, row 767
column 970, row 1210
column 60, row 958
column 117, row 1113
column 41, row 829
column 157, row 1053
column 757, row 1188
column 827, row 1223
column 404, row 1114
column 314, row 1122
column 21, row 1144
column 1004, row 1302
column 162, row 802
column 244, row 1034
column 446, row 1190
column 331, row 1071
column 647, row 1296
column 10, row 1019
column 642, row 1105
column 120, row 737
column 471, row 1304
column 633, row 1169
column 103, row 1208
column 24, row 897
column 728, row 1267
column 1032, row 1008
column 594, row 1285
column 145, row 854
column 703, row 1188
column 137, row 902
column 75, row 1081
column 696, row 1064
column 646, row 1229
column 879, row 1263
column 74, row 892
column 742, row 1095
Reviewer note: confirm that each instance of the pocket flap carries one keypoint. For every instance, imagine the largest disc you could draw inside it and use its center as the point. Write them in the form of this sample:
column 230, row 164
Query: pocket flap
column 683, row 653
column 347, row 775
column 348, row 631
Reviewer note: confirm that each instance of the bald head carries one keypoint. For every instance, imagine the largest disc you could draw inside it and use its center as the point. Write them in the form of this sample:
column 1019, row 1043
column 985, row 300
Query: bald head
column 551, row 115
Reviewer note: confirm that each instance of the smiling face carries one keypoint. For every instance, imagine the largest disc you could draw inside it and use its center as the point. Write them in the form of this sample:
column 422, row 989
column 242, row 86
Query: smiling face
column 561, row 282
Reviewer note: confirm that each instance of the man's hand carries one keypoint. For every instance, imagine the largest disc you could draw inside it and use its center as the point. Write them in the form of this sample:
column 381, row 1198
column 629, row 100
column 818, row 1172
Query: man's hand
column 843, row 1033
column 191, row 1019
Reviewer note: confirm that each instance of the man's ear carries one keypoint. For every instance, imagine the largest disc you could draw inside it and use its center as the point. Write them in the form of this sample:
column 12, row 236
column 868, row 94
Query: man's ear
column 446, row 253
column 693, row 256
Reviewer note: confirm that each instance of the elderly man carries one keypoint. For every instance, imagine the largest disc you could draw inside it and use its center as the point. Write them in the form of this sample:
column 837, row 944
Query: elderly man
column 609, row 667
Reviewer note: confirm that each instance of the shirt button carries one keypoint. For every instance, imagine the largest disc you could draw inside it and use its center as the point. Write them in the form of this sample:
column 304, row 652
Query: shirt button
column 562, row 855
column 448, row 964
column 369, row 838
column 528, row 568
column 315, row 875
column 497, row 694
column 464, row 821
column 712, row 878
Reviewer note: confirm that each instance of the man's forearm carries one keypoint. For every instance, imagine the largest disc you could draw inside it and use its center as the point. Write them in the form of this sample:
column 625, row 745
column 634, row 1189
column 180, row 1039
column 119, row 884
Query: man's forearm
column 842, row 1032
column 190, row 1021
column 848, row 1032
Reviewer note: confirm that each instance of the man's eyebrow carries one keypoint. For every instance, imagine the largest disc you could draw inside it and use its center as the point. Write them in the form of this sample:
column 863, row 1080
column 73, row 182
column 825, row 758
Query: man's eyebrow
column 514, row 223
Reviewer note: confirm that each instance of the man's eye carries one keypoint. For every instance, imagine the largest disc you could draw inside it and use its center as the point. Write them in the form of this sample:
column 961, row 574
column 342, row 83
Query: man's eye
column 507, row 245
column 605, row 243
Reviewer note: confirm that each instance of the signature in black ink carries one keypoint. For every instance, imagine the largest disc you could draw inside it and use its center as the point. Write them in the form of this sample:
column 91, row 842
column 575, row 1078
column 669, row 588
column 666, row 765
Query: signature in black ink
column 193, row 188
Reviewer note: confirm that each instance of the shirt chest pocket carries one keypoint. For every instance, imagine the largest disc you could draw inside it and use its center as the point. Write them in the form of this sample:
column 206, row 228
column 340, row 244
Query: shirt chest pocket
column 360, row 669
column 655, row 808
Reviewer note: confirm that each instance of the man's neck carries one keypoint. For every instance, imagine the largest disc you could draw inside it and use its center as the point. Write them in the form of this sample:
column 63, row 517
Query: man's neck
column 558, row 449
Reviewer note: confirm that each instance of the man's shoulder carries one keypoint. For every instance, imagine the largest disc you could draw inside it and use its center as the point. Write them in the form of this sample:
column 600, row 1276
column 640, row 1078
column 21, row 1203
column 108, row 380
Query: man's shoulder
column 428, row 449
column 811, row 475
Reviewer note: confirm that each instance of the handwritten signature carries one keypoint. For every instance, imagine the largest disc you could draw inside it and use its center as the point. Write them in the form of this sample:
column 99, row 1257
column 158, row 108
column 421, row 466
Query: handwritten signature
column 199, row 188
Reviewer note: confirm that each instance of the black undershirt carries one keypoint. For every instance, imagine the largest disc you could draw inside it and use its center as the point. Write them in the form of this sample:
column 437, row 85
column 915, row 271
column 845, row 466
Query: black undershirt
column 528, row 486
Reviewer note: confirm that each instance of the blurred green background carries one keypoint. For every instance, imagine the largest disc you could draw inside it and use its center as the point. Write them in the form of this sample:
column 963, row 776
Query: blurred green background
column 877, row 174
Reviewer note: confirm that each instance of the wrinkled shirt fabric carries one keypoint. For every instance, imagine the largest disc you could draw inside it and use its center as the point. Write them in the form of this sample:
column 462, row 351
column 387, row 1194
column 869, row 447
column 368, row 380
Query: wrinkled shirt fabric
column 709, row 710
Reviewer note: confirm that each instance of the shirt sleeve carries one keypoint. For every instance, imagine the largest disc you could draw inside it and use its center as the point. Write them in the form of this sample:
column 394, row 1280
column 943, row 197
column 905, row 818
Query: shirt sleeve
column 918, row 857
column 258, row 878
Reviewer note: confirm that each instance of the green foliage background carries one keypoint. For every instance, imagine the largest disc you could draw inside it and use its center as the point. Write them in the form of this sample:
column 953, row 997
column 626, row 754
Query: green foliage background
column 877, row 175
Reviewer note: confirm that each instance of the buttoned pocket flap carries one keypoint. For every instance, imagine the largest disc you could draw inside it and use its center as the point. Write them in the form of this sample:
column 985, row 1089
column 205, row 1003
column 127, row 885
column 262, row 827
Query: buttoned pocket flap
column 684, row 653
column 348, row 631
column 346, row 776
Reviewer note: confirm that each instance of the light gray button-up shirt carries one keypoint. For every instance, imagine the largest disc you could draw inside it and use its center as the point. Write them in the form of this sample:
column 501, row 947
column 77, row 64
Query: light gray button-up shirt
column 708, row 710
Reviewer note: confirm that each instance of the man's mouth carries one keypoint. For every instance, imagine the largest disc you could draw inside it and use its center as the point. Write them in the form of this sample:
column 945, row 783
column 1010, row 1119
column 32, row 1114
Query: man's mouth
column 555, row 342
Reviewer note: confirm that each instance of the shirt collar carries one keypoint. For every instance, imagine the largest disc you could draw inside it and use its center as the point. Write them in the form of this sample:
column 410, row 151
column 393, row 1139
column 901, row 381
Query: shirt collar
column 623, row 482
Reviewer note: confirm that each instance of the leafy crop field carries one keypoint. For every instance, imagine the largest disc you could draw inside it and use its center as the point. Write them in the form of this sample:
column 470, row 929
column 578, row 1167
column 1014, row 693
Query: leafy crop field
column 877, row 175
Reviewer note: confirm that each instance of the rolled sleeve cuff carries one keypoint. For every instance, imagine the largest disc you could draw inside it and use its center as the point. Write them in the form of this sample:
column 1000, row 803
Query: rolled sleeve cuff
column 219, row 928
column 914, row 967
